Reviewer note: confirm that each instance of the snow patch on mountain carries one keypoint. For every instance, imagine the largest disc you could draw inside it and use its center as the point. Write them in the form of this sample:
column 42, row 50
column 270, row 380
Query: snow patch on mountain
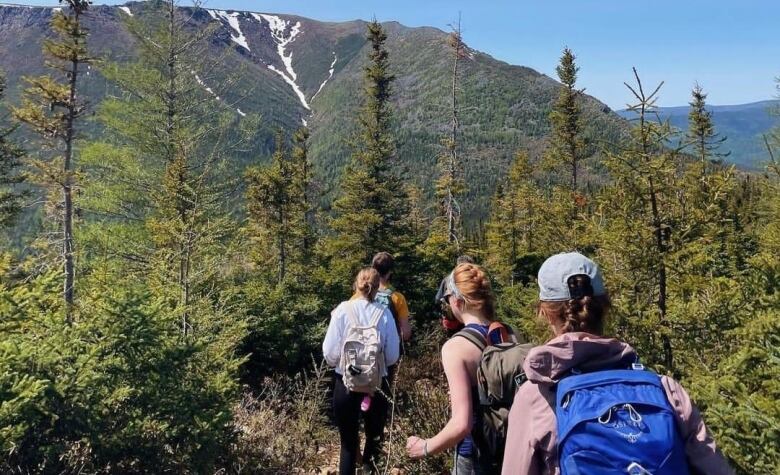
column 208, row 89
column 126, row 10
column 232, row 20
column 278, row 28
column 330, row 75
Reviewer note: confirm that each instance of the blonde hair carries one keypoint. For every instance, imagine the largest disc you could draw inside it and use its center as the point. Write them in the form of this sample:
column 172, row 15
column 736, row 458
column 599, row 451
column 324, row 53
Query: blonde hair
column 367, row 283
column 474, row 286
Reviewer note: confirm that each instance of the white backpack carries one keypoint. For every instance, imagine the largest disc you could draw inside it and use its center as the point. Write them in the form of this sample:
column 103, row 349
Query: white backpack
column 362, row 356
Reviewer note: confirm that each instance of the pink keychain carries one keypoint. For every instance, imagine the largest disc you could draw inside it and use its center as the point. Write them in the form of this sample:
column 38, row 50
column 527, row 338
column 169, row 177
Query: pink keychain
column 365, row 403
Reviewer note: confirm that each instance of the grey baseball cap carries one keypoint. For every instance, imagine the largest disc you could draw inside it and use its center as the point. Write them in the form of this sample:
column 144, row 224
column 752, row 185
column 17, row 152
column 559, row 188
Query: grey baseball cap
column 556, row 270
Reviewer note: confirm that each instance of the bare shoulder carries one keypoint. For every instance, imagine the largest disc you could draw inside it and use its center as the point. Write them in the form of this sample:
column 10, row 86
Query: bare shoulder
column 455, row 345
column 458, row 348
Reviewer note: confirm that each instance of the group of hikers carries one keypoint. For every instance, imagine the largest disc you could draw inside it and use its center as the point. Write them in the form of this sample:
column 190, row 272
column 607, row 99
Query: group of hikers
column 582, row 403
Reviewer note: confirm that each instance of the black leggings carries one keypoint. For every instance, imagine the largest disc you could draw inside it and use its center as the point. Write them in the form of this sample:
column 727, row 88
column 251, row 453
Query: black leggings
column 346, row 410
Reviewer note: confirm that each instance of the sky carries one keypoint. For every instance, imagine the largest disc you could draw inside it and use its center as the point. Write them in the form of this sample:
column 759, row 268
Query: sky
column 730, row 47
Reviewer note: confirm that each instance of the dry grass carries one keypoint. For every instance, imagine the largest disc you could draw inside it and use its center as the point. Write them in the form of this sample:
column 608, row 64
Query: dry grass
column 284, row 429
column 421, row 407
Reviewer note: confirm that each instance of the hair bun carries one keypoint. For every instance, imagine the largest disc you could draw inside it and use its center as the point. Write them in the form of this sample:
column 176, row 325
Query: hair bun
column 474, row 284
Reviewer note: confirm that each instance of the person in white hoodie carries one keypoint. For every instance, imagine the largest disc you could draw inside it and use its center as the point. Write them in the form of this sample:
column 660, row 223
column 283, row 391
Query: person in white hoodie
column 348, row 405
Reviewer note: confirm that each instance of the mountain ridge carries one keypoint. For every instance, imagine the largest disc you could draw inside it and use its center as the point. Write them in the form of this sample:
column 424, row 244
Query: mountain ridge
column 743, row 125
column 505, row 107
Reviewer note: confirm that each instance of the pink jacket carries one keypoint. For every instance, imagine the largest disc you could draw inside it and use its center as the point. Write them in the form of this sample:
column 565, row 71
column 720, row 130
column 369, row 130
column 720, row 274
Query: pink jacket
column 531, row 439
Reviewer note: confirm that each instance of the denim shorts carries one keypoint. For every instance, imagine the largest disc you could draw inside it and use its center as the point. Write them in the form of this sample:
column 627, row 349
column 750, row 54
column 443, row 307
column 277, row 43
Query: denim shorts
column 467, row 466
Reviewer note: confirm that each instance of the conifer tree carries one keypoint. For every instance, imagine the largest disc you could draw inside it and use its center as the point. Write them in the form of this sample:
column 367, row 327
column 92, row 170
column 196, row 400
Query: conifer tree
column 277, row 205
column 305, row 183
column 635, row 210
column 666, row 235
column 567, row 143
column 370, row 210
column 161, row 184
column 53, row 109
column 450, row 185
column 10, row 173
column 709, row 190
column 701, row 131
column 443, row 235
column 515, row 229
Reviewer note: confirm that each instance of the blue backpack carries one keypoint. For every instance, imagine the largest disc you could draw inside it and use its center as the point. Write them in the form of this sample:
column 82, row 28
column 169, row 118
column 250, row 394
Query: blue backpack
column 617, row 422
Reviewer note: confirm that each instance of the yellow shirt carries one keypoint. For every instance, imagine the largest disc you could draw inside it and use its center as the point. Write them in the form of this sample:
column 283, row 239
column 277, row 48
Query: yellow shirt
column 400, row 306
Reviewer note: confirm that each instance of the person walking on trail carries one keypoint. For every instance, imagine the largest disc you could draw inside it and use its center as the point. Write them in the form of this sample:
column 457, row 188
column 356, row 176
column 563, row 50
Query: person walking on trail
column 468, row 292
column 383, row 262
column 589, row 405
column 448, row 321
column 361, row 343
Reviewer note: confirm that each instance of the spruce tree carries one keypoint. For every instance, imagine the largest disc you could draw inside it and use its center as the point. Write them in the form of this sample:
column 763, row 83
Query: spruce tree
column 516, row 228
column 443, row 235
column 567, row 144
column 161, row 186
column 450, row 186
column 277, row 205
column 669, row 248
column 53, row 109
column 701, row 131
column 636, row 214
column 10, row 174
column 370, row 209
column 304, row 179
column 709, row 191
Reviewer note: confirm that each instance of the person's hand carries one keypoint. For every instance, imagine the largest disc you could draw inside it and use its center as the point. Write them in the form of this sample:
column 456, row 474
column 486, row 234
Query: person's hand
column 415, row 447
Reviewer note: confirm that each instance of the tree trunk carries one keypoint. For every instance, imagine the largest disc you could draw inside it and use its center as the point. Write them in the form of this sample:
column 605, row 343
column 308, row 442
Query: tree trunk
column 661, row 248
column 67, row 189
column 453, row 144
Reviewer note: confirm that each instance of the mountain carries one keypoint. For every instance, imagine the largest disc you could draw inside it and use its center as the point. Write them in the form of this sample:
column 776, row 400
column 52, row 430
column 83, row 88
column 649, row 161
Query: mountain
column 743, row 126
column 296, row 71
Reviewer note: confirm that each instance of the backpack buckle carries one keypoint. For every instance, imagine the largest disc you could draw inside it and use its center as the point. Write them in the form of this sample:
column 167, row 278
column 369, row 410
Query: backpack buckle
column 637, row 366
column 636, row 469
column 566, row 400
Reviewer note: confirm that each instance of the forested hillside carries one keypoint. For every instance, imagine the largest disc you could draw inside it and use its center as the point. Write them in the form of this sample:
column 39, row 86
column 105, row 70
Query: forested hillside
column 291, row 70
column 743, row 126
column 166, row 312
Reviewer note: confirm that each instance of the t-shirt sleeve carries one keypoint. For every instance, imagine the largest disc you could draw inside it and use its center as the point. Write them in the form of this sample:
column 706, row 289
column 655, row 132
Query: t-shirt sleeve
column 400, row 306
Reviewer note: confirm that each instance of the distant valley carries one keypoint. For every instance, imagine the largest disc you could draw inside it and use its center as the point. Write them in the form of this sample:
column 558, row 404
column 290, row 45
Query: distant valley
column 743, row 126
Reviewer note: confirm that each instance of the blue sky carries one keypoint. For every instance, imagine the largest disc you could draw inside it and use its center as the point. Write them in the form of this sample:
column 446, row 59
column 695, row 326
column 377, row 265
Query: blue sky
column 731, row 47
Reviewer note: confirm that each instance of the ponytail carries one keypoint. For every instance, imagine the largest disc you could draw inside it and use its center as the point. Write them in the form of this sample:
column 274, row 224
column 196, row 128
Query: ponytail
column 367, row 283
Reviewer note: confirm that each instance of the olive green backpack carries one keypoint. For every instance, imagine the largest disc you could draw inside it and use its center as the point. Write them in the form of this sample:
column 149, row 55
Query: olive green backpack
column 499, row 375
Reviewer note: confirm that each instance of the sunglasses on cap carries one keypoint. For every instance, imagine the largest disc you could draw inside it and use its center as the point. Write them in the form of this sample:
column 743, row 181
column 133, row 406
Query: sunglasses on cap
column 451, row 290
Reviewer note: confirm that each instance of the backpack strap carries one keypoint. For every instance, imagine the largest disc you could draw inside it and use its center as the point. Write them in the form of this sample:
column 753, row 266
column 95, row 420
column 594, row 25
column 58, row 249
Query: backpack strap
column 474, row 336
column 388, row 293
column 377, row 315
column 352, row 314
